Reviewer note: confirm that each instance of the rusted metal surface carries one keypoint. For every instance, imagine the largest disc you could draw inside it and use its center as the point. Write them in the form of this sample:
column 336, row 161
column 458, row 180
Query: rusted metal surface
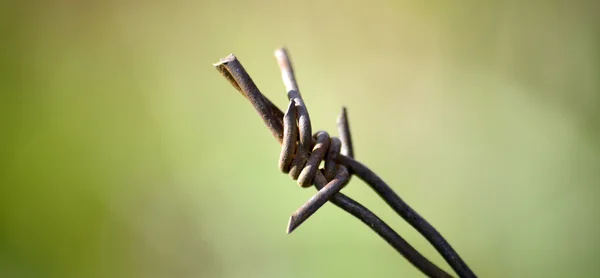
column 302, row 154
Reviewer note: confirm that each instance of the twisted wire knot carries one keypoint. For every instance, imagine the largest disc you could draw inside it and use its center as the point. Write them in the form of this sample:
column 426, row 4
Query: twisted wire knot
column 302, row 159
column 303, row 166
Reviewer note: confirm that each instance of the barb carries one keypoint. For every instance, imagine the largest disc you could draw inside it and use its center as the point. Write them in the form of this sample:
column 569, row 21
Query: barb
column 302, row 165
column 344, row 130
column 291, row 86
column 235, row 73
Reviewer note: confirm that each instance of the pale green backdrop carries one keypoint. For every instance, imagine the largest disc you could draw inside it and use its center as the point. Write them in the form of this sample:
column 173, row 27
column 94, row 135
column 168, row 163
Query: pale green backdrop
column 125, row 153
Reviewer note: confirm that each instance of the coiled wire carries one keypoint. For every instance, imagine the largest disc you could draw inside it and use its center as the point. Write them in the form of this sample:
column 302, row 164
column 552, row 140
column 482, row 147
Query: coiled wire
column 303, row 167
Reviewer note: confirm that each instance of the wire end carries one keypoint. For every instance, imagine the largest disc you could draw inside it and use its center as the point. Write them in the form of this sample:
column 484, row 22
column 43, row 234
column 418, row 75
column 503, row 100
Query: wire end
column 292, row 225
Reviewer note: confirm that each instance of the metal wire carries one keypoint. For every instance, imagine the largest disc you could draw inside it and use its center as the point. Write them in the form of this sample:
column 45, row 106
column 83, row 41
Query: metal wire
column 302, row 154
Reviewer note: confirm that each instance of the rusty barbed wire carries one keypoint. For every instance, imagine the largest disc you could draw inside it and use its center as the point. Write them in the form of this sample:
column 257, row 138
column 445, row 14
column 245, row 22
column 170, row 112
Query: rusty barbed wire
column 304, row 165
column 302, row 153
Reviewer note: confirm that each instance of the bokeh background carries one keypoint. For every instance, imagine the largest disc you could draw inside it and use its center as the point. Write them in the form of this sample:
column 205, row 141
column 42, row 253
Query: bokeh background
column 125, row 153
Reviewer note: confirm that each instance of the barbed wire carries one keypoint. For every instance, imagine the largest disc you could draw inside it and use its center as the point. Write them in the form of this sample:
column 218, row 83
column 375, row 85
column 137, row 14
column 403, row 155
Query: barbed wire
column 302, row 153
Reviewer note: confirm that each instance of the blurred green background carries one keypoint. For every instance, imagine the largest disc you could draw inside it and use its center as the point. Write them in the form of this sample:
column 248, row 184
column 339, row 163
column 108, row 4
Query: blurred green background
column 125, row 153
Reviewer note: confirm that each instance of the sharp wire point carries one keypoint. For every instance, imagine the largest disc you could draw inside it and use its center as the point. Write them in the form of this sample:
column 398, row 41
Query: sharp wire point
column 291, row 225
